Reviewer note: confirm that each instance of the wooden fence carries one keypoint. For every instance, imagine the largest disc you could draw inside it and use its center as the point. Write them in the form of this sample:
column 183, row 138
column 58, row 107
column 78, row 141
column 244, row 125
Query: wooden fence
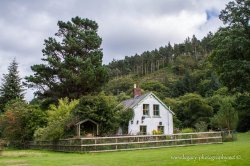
column 101, row 144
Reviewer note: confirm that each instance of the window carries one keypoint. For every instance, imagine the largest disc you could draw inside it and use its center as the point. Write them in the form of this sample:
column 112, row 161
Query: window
column 161, row 128
column 156, row 110
column 143, row 130
column 146, row 109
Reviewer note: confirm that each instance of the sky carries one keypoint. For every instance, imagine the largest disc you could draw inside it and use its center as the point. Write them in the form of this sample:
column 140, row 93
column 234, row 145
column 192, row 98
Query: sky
column 126, row 27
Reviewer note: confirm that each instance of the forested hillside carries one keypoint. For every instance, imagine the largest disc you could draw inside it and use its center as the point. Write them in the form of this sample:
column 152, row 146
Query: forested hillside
column 151, row 61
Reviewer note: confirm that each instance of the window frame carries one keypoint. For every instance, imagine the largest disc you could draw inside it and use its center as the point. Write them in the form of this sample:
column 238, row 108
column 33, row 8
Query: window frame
column 145, row 110
column 154, row 110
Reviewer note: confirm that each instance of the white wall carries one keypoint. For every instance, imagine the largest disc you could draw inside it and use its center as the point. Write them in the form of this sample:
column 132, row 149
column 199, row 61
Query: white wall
column 151, row 122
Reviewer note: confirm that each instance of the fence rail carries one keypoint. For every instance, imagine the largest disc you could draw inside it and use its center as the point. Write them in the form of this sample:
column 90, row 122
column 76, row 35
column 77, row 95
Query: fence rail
column 101, row 144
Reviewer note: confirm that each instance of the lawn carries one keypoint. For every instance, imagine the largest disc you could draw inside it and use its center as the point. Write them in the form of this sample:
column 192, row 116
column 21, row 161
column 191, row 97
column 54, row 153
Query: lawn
column 229, row 153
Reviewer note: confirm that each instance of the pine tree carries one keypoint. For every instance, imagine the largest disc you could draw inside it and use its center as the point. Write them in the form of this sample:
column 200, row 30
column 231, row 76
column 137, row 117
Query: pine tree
column 73, row 62
column 11, row 87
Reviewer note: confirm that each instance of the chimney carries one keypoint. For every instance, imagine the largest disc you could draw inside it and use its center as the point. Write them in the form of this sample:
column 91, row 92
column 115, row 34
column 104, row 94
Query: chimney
column 137, row 91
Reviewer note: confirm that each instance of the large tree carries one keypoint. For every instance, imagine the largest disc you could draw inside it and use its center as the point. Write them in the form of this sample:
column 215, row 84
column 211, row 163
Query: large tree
column 11, row 87
column 104, row 110
column 231, row 57
column 227, row 116
column 73, row 62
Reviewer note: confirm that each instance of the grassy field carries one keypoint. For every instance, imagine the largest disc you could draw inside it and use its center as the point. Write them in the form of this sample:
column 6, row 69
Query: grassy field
column 229, row 153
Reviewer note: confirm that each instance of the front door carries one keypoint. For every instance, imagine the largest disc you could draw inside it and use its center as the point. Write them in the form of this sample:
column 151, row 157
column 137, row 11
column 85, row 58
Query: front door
column 143, row 130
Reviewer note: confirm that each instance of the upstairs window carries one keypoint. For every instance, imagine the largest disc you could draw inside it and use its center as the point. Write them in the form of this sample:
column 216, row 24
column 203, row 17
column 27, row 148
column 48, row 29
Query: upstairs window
column 146, row 109
column 156, row 110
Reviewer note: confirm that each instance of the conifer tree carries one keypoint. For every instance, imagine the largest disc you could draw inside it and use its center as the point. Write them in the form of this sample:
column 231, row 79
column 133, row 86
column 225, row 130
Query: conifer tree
column 73, row 62
column 11, row 87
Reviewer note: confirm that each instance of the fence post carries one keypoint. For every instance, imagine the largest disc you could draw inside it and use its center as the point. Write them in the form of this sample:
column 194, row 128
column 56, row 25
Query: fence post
column 138, row 140
column 95, row 144
column 116, row 143
column 191, row 139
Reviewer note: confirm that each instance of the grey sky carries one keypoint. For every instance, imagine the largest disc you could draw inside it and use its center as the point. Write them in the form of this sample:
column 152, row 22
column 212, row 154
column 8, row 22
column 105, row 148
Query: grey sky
column 126, row 26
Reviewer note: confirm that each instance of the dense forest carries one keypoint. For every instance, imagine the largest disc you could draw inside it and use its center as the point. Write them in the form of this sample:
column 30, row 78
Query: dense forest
column 151, row 61
column 204, row 81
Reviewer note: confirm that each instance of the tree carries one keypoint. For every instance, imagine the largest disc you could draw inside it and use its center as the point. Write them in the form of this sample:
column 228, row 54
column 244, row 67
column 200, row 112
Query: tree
column 59, row 120
column 243, row 108
column 157, row 87
column 19, row 122
column 105, row 110
column 237, row 13
column 73, row 62
column 119, row 85
column 227, row 116
column 11, row 88
column 231, row 54
column 192, row 109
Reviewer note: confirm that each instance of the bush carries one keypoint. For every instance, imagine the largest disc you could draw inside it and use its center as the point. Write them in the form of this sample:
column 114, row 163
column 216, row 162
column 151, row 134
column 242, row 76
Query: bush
column 187, row 130
column 19, row 122
column 58, row 118
column 201, row 126
column 157, row 132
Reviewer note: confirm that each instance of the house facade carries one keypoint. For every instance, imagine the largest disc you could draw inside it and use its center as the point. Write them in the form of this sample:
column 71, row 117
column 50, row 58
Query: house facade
column 150, row 114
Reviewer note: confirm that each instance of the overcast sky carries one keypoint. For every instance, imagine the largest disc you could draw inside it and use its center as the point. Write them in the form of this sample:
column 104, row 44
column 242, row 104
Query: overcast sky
column 126, row 26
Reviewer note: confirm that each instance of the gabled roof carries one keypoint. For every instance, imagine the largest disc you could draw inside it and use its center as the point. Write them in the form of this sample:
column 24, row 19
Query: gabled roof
column 131, row 103
column 85, row 120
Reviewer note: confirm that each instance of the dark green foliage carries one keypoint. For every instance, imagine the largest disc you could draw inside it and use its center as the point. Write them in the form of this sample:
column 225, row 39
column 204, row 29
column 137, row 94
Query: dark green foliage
column 206, row 43
column 191, row 109
column 243, row 107
column 231, row 55
column 151, row 61
column 11, row 87
column 119, row 85
column 73, row 62
column 185, row 85
column 207, row 86
column 157, row 87
column 125, row 117
column 102, row 109
column 19, row 122
column 123, row 96
column 227, row 116
column 183, row 64
column 237, row 13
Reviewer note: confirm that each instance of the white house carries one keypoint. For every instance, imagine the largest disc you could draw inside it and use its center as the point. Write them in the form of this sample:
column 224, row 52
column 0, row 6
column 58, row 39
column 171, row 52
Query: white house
column 150, row 113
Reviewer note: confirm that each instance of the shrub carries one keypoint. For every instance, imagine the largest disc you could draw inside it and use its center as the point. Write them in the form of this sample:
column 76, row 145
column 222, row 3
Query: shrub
column 19, row 122
column 187, row 130
column 58, row 118
column 157, row 132
column 201, row 126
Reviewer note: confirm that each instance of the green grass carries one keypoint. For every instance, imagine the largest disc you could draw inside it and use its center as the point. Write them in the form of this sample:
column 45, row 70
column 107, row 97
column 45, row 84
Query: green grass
column 155, row 157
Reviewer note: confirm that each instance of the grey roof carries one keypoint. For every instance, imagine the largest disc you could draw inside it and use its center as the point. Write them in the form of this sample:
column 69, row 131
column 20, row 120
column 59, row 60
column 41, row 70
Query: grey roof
column 131, row 103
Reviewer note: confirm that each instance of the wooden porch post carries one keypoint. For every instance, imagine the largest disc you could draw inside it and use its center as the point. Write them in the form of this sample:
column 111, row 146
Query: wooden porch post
column 79, row 130
column 97, row 129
